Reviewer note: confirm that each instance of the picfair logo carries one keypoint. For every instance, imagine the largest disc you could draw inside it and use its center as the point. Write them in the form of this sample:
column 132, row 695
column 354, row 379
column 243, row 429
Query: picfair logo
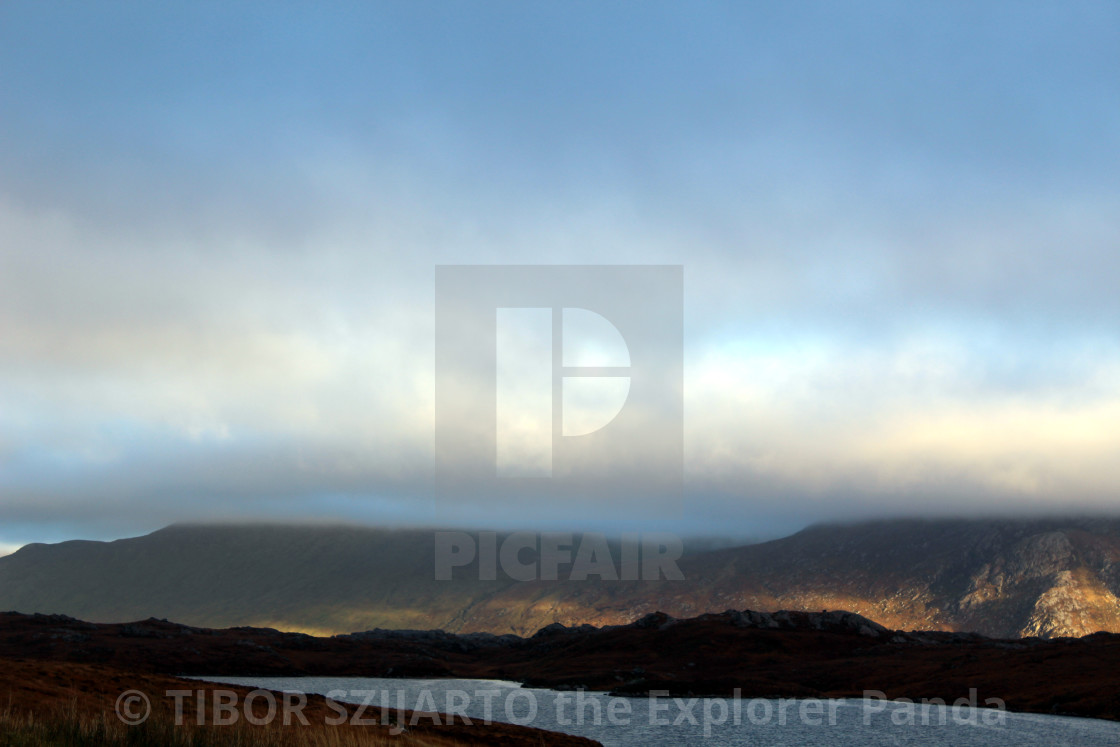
column 559, row 381
column 561, row 373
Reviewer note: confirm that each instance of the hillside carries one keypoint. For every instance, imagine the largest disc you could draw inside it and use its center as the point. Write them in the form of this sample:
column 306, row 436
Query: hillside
column 1001, row 578
column 328, row 579
column 759, row 655
column 48, row 702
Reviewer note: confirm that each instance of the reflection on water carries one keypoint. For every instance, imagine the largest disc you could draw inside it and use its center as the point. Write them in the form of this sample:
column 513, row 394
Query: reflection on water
column 672, row 722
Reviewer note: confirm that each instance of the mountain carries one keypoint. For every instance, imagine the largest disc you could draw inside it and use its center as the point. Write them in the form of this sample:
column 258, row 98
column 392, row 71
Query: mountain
column 998, row 577
column 315, row 579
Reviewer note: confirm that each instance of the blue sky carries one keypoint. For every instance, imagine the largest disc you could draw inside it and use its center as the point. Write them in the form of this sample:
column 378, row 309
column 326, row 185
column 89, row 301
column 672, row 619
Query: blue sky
column 219, row 222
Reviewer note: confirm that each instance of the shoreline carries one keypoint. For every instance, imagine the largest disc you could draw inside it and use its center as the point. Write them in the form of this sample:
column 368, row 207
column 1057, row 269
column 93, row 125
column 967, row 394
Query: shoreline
column 46, row 691
column 809, row 655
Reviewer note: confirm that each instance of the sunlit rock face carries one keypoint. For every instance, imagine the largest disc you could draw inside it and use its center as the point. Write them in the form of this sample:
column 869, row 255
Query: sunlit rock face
column 1001, row 578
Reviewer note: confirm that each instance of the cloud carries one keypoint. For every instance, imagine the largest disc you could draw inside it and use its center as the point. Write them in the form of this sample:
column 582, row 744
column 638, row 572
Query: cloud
column 216, row 259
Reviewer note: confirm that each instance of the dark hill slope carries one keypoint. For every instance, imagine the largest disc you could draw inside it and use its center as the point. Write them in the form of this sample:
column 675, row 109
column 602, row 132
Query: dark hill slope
column 998, row 577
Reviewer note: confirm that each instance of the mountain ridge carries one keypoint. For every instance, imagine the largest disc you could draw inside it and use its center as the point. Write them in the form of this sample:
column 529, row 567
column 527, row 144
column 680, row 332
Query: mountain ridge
column 1003, row 578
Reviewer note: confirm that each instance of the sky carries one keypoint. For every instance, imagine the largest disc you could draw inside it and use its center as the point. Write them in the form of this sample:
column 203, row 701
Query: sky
column 899, row 226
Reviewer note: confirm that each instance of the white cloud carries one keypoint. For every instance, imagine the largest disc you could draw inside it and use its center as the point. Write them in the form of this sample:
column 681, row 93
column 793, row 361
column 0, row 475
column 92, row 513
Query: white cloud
column 216, row 300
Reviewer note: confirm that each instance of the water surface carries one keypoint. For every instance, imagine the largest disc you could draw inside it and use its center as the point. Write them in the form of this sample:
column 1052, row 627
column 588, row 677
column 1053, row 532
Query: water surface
column 676, row 722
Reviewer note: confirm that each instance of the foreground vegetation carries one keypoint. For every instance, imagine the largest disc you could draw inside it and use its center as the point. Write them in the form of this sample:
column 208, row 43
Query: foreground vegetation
column 70, row 728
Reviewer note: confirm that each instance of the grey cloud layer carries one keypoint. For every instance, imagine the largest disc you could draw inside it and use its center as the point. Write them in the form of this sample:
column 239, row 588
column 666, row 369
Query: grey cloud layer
column 898, row 231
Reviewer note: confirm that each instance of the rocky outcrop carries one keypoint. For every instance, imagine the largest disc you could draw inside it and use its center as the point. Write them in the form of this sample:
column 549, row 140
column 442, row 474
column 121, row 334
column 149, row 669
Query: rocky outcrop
column 1046, row 578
